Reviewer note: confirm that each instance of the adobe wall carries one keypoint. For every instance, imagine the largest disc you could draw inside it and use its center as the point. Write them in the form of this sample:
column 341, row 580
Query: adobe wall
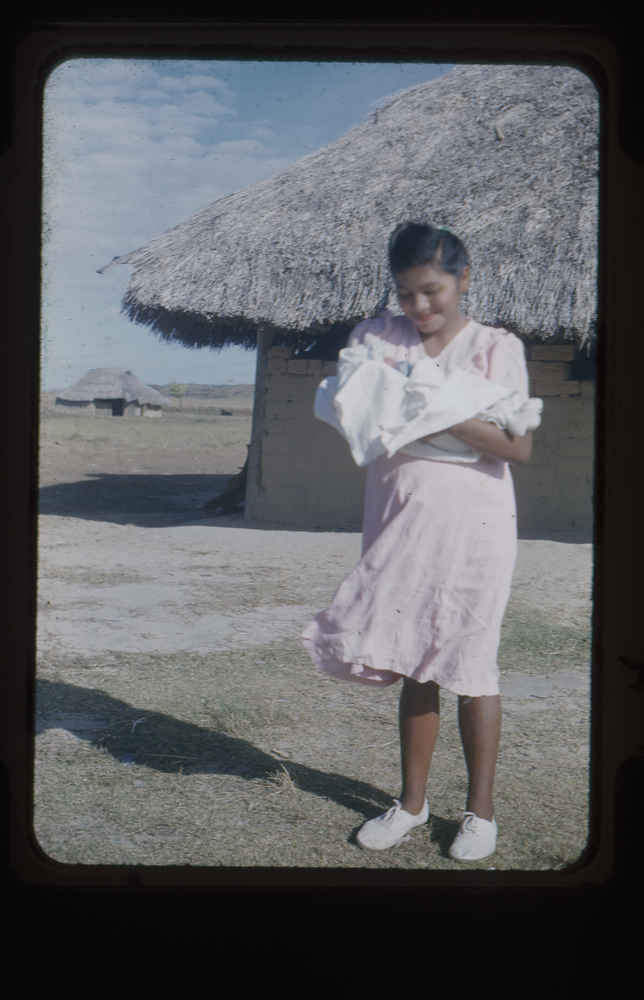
column 308, row 478
column 555, row 490
column 75, row 408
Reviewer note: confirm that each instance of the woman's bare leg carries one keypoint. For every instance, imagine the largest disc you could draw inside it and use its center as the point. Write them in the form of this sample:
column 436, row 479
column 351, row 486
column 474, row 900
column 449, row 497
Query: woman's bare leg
column 419, row 717
column 479, row 721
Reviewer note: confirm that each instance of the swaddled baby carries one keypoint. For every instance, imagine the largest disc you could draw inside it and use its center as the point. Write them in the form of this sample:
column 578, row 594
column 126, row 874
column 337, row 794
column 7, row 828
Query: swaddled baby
column 380, row 407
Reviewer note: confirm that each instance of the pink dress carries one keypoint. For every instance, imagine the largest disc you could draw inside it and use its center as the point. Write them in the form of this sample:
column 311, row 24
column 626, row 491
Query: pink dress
column 439, row 545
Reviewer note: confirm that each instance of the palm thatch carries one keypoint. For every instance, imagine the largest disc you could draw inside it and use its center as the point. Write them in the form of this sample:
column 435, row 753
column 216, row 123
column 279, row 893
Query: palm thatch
column 505, row 156
column 113, row 383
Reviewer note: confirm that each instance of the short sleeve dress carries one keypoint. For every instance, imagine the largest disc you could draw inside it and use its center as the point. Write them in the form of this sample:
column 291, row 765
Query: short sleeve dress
column 439, row 546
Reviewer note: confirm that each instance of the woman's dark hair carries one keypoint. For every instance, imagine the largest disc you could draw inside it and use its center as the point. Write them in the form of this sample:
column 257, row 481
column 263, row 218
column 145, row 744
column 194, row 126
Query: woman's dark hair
column 419, row 243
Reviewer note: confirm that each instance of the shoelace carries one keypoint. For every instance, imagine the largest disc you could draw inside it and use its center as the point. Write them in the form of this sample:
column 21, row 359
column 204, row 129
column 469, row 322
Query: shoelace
column 472, row 822
column 390, row 815
column 469, row 823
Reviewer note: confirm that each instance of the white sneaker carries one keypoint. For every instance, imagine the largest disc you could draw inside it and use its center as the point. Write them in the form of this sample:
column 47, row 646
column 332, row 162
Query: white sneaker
column 475, row 840
column 389, row 829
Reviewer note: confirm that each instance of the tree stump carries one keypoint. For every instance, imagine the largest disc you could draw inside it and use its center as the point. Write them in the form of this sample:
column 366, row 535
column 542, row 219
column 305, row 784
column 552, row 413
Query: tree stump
column 235, row 492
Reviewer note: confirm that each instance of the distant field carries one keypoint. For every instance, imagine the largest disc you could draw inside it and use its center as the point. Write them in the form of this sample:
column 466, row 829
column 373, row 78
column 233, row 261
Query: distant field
column 203, row 399
column 171, row 464
column 229, row 392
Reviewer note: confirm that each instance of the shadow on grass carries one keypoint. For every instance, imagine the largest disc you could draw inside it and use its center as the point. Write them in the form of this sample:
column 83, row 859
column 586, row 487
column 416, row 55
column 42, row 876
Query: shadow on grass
column 144, row 500
column 442, row 833
column 158, row 741
column 149, row 501
column 153, row 501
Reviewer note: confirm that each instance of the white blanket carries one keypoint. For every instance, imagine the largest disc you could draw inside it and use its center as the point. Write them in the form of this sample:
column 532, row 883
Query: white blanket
column 381, row 410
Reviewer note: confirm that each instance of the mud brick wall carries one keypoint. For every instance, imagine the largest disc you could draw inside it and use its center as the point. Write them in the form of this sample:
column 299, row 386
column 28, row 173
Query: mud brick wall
column 308, row 478
column 555, row 490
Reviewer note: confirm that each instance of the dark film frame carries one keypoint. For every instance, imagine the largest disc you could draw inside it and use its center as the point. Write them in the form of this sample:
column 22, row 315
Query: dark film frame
column 609, row 59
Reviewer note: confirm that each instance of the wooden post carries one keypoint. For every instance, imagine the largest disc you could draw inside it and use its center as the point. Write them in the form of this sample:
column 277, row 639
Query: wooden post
column 265, row 339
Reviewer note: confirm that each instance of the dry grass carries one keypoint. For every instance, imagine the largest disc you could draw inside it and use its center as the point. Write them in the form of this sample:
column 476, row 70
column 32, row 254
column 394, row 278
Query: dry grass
column 166, row 466
column 188, row 430
column 253, row 759
column 505, row 156
column 280, row 781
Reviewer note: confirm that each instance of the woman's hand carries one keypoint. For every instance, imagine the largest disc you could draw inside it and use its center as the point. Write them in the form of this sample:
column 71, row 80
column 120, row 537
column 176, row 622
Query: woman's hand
column 490, row 440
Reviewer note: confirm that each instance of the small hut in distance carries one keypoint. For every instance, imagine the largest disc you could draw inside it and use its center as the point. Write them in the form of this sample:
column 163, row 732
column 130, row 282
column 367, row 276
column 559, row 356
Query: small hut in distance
column 112, row 392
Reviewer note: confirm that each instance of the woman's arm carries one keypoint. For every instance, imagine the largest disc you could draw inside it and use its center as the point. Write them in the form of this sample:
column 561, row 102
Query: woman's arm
column 491, row 440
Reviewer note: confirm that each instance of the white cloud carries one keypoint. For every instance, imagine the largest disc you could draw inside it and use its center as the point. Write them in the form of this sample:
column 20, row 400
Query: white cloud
column 125, row 165
column 133, row 147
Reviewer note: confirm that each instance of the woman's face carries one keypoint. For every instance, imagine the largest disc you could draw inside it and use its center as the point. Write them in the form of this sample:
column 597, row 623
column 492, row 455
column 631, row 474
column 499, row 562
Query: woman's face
column 430, row 297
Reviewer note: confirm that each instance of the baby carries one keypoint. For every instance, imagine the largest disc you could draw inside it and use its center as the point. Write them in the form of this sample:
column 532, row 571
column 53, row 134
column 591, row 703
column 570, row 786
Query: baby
column 382, row 407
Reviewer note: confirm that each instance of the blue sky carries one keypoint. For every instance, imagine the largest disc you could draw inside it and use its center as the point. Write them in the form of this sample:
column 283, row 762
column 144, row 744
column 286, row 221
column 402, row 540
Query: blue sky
column 132, row 147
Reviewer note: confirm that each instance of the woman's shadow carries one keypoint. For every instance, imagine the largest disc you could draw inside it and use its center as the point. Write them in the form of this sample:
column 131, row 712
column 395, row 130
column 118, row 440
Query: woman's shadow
column 158, row 741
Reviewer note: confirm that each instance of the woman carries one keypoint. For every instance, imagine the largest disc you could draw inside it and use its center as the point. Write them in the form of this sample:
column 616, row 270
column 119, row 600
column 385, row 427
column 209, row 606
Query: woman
column 426, row 601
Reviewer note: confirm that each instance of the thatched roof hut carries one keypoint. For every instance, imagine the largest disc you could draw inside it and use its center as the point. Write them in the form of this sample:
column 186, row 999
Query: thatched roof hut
column 116, row 389
column 505, row 156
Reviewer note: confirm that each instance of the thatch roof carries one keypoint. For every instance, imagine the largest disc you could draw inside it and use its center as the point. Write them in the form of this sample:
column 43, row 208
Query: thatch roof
column 113, row 383
column 505, row 156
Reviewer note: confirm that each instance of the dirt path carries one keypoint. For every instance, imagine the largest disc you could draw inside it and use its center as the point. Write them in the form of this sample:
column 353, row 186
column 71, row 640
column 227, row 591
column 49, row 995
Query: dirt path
column 220, row 584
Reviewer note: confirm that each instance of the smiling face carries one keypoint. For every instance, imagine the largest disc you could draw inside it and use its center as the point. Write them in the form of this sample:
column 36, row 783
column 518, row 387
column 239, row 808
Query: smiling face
column 430, row 298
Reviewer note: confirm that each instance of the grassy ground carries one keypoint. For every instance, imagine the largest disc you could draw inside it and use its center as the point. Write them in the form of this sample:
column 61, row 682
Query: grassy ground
column 168, row 466
column 252, row 759
column 172, row 442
